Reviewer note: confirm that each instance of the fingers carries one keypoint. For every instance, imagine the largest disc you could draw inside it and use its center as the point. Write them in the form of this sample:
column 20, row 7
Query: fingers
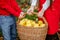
column 30, row 10
column 40, row 14
column 22, row 15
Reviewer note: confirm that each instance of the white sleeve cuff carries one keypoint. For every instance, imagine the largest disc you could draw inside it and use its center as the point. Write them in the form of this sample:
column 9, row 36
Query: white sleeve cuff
column 33, row 2
column 46, row 4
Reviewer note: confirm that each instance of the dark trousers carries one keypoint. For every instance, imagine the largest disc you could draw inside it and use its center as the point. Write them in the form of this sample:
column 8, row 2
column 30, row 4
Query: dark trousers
column 52, row 37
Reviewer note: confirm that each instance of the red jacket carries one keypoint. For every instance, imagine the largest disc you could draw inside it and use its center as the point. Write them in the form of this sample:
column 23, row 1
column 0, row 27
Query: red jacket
column 54, row 4
column 52, row 15
column 41, row 2
column 8, row 7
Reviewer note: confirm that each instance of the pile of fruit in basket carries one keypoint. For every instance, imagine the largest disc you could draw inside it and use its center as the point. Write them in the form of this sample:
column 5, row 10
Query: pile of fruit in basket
column 31, row 21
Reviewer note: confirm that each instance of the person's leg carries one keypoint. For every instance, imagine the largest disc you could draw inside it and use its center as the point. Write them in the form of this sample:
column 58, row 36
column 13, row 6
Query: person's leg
column 13, row 32
column 52, row 18
column 7, row 21
column 6, row 31
column 55, row 36
column 48, row 37
column 52, row 37
column 13, row 29
column 0, row 28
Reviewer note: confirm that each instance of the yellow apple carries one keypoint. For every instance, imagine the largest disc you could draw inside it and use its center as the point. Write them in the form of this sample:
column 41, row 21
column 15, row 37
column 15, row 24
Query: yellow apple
column 40, row 22
column 28, row 23
column 42, row 25
column 22, row 23
column 36, row 25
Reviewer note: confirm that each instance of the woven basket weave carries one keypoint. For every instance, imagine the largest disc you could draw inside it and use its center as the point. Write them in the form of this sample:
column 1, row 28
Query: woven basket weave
column 30, row 33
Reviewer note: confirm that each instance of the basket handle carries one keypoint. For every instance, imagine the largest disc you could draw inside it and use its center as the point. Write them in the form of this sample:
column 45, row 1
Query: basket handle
column 18, row 21
column 45, row 21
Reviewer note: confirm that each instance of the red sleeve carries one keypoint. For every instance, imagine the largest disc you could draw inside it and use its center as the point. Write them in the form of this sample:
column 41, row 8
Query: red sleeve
column 41, row 2
column 9, row 9
column 15, row 6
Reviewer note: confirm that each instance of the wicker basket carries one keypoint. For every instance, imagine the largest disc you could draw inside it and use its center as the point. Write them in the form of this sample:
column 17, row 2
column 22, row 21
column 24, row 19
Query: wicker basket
column 28, row 33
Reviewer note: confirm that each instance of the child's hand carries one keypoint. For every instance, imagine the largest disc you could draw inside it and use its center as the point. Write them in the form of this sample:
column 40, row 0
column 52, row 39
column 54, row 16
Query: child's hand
column 40, row 14
column 22, row 15
column 30, row 10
